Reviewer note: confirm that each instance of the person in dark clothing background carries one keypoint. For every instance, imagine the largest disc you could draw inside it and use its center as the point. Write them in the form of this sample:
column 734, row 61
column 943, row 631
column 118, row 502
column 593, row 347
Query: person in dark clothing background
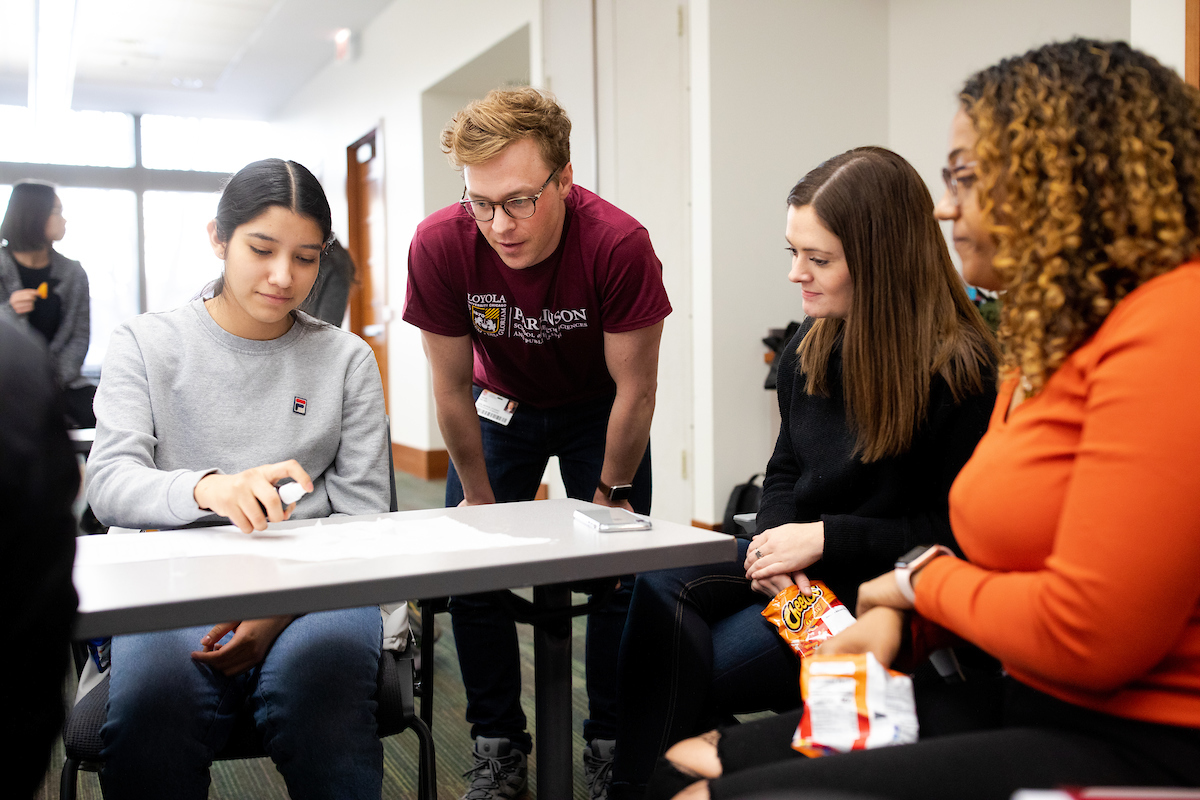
column 327, row 301
column 38, row 483
column 46, row 293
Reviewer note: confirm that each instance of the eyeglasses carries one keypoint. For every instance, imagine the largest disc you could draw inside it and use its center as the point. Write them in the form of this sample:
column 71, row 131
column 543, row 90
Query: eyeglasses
column 515, row 207
column 955, row 182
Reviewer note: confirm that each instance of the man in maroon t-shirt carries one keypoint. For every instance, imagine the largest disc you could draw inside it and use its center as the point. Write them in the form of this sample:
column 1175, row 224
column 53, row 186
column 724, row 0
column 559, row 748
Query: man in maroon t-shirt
column 541, row 307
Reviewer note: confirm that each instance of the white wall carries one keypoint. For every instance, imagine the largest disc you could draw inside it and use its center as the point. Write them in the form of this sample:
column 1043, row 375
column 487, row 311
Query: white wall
column 408, row 48
column 1157, row 27
column 642, row 137
column 699, row 136
column 935, row 45
column 786, row 86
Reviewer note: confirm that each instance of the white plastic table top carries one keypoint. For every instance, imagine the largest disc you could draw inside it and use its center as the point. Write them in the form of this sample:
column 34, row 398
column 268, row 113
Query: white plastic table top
column 139, row 595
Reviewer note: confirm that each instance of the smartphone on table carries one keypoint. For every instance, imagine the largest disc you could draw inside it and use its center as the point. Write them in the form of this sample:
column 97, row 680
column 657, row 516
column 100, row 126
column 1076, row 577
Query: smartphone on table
column 611, row 520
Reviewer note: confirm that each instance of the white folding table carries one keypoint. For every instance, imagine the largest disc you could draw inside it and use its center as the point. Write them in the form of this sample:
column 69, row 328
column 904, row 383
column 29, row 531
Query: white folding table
column 182, row 589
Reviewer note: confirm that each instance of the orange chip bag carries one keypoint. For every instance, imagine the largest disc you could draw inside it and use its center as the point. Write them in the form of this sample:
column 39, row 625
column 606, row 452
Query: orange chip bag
column 806, row 622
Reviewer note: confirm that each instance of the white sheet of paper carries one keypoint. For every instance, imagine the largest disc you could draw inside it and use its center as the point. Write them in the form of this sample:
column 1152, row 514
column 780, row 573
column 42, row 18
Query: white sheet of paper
column 350, row 540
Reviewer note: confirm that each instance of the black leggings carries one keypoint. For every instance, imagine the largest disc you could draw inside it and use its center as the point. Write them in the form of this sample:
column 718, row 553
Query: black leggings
column 1044, row 743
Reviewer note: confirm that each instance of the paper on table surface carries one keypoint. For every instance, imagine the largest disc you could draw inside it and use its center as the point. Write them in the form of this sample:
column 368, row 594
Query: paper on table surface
column 319, row 542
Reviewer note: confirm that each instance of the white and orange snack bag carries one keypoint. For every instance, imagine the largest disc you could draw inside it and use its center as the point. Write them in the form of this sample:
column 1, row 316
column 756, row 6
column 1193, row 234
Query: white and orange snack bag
column 852, row 702
column 806, row 622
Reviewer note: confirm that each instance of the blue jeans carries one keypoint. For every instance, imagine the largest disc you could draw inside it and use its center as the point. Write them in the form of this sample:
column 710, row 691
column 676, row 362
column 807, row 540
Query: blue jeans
column 485, row 633
column 696, row 649
column 313, row 699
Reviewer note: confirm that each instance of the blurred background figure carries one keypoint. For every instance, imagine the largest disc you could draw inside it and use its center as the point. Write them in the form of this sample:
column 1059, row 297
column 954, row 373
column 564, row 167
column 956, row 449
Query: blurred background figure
column 327, row 301
column 38, row 481
column 44, row 291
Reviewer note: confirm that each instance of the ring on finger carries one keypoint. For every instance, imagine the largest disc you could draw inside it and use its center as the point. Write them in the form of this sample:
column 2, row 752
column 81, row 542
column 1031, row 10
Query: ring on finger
column 757, row 553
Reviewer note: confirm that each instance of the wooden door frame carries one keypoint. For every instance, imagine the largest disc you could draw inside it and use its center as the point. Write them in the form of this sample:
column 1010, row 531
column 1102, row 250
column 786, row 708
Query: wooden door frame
column 357, row 235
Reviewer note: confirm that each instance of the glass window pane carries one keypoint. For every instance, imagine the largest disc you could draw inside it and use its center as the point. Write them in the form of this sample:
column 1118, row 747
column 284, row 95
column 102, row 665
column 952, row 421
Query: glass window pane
column 210, row 145
column 86, row 138
column 102, row 236
column 179, row 259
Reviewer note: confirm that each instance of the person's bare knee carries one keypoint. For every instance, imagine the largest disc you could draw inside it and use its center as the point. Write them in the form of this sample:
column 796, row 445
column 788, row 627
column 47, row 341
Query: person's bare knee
column 697, row 791
column 697, row 756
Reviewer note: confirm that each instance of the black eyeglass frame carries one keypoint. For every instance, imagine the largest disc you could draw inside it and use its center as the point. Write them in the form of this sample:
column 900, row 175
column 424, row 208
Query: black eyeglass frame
column 954, row 183
column 468, row 205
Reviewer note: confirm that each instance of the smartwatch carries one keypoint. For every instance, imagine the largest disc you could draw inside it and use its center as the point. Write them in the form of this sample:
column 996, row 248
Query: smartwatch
column 913, row 562
column 615, row 494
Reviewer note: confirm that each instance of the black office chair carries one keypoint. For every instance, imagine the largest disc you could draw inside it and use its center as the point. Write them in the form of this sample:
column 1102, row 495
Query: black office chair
column 397, row 684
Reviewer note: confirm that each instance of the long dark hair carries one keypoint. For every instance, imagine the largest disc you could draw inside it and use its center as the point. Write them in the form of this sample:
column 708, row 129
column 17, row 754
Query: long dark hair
column 265, row 184
column 909, row 318
column 29, row 207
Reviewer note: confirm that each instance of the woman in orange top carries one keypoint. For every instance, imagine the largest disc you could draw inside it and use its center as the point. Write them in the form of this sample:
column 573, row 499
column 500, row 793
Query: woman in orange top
column 1073, row 185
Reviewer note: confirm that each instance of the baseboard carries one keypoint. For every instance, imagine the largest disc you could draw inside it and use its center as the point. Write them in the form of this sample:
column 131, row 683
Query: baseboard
column 425, row 464
column 708, row 526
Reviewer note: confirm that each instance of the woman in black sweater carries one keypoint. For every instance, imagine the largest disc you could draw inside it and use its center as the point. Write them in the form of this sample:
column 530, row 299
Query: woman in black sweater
column 883, row 394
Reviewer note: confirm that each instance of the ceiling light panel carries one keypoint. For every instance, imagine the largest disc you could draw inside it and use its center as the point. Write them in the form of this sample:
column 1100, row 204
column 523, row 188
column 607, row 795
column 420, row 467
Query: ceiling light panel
column 164, row 43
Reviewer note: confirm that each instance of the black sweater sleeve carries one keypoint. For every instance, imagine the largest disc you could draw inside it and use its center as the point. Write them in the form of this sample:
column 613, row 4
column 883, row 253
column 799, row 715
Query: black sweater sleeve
column 940, row 449
column 777, row 506
column 874, row 512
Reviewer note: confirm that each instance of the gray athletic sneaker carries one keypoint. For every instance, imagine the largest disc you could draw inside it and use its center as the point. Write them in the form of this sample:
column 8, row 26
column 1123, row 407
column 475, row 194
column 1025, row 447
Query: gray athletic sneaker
column 499, row 772
column 597, row 766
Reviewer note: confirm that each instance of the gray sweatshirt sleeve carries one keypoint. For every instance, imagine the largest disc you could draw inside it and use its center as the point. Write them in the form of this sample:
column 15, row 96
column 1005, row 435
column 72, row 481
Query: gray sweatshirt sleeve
column 70, row 344
column 10, row 281
column 357, row 481
column 123, row 485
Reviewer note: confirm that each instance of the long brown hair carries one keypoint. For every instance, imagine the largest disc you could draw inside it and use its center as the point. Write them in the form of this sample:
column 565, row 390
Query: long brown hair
column 909, row 318
column 1088, row 160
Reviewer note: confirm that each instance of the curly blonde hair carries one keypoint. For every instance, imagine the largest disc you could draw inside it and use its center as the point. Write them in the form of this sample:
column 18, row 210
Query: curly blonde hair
column 1088, row 164
column 484, row 127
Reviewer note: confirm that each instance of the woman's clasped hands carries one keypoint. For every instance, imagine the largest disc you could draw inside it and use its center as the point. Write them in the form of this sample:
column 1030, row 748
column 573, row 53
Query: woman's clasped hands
column 252, row 639
column 249, row 499
column 778, row 557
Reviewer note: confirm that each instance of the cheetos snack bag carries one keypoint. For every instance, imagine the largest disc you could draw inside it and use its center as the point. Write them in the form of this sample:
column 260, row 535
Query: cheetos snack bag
column 806, row 622
column 852, row 702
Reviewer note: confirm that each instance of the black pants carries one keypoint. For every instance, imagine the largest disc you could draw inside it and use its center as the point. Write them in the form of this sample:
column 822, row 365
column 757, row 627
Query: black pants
column 484, row 630
column 1044, row 743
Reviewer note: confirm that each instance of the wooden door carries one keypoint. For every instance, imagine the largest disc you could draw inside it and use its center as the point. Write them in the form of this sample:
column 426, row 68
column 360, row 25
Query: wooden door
column 369, row 312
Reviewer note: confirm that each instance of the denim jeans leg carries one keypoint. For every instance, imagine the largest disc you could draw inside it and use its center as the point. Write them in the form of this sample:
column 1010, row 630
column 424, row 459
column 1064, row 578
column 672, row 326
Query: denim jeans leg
column 753, row 667
column 578, row 434
column 484, row 631
column 665, row 666
column 315, row 705
column 167, row 716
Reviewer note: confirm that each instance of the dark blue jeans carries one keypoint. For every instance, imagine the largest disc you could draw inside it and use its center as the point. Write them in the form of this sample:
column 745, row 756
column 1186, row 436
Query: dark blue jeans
column 484, row 631
column 696, row 649
column 313, row 699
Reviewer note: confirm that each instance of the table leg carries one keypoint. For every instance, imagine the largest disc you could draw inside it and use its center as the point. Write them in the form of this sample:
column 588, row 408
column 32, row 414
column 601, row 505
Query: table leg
column 552, row 700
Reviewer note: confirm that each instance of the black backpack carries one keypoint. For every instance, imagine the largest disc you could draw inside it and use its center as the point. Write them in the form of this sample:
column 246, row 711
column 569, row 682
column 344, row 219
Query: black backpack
column 743, row 500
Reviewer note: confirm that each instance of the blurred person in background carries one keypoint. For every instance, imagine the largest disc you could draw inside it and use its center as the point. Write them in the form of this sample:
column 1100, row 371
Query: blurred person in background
column 46, row 292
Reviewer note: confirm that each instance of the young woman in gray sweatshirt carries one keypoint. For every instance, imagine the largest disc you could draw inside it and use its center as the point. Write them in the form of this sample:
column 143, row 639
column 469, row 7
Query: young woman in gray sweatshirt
column 200, row 411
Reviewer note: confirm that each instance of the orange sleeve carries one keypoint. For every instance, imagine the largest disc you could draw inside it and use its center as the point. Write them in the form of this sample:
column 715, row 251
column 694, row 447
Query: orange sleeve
column 1121, row 584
